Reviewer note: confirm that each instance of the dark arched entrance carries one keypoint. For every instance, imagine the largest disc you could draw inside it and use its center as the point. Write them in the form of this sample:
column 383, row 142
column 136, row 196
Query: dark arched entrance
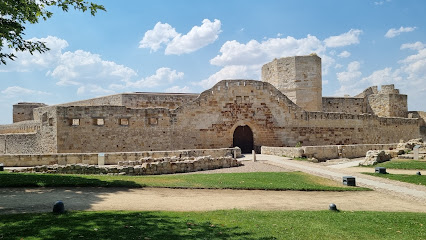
column 243, row 138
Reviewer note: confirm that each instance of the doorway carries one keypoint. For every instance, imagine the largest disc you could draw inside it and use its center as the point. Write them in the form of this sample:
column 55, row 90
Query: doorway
column 243, row 138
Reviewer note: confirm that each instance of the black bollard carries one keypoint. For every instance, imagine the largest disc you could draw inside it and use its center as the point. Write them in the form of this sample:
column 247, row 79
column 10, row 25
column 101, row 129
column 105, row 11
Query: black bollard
column 332, row 207
column 58, row 207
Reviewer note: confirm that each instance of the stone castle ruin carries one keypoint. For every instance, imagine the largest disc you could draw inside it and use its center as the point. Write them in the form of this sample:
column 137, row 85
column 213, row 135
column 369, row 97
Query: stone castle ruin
column 286, row 108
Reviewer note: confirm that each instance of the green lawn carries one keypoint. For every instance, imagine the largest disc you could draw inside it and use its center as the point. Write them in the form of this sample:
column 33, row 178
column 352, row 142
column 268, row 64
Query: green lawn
column 416, row 179
column 255, row 180
column 403, row 164
column 230, row 224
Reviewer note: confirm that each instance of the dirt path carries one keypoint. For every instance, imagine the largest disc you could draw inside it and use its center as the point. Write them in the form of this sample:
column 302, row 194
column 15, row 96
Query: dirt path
column 94, row 199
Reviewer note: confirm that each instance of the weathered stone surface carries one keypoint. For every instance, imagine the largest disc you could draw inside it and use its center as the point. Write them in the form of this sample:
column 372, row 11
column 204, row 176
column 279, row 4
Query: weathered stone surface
column 374, row 156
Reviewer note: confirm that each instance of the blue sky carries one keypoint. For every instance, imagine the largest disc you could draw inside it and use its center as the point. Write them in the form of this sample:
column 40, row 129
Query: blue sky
column 188, row 46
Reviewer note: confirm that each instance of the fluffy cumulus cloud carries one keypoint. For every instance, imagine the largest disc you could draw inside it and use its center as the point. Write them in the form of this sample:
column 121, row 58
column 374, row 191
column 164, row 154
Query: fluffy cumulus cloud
column 79, row 67
column 352, row 73
column 254, row 52
column 16, row 91
column 161, row 34
column 345, row 39
column 198, row 37
column 391, row 33
column 177, row 43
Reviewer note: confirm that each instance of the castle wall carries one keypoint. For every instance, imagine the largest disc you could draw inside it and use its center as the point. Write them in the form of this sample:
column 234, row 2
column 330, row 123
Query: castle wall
column 210, row 120
column 21, row 127
column 114, row 100
column 344, row 104
column 24, row 111
column 299, row 78
column 388, row 105
column 156, row 100
column 422, row 116
column 20, row 143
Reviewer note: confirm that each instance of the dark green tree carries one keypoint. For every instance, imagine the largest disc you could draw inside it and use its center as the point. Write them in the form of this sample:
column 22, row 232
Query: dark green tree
column 14, row 14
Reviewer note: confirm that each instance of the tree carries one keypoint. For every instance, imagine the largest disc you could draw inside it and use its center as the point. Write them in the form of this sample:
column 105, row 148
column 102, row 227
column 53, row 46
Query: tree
column 14, row 14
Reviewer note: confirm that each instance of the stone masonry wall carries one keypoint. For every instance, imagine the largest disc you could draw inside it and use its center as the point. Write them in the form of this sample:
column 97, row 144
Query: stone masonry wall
column 21, row 127
column 155, row 100
column 422, row 116
column 20, row 143
column 210, row 121
column 24, row 111
column 344, row 104
column 388, row 105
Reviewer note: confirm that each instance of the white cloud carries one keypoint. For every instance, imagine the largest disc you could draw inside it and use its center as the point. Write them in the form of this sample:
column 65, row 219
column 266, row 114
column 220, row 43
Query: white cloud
column 161, row 34
column 338, row 66
column 161, row 77
column 93, row 89
column 176, row 43
column 81, row 67
column 413, row 46
column 254, row 52
column 345, row 39
column 16, row 91
column 198, row 37
column 38, row 61
column 230, row 72
column 177, row 89
column 351, row 74
column 396, row 32
column 344, row 54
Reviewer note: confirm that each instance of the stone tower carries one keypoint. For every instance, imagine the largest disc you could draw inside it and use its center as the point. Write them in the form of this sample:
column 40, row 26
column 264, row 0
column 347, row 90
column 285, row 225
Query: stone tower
column 388, row 102
column 299, row 78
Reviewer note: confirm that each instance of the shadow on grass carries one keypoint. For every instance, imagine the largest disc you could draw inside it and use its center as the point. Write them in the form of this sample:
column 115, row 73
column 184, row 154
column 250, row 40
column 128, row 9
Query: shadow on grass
column 56, row 180
column 20, row 193
column 114, row 225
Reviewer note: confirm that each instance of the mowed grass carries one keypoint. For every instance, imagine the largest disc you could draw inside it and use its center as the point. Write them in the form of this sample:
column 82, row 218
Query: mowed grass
column 403, row 164
column 416, row 179
column 254, row 180
column 225, row 224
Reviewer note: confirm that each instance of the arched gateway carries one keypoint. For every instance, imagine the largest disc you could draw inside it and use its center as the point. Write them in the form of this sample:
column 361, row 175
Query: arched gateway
column 243, row 138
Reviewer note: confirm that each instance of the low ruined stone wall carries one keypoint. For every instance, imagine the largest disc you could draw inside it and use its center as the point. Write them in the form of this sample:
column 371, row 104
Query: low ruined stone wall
column 115, row 158
column 152, row 167
column 27, row 160
column 282, row 151
column 327, row 151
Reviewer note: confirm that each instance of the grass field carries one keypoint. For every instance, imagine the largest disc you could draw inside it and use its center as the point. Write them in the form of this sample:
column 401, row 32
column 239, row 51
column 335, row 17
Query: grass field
column 403, row 164
column 416, row 179
column 231, row 224
column 254, row 180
